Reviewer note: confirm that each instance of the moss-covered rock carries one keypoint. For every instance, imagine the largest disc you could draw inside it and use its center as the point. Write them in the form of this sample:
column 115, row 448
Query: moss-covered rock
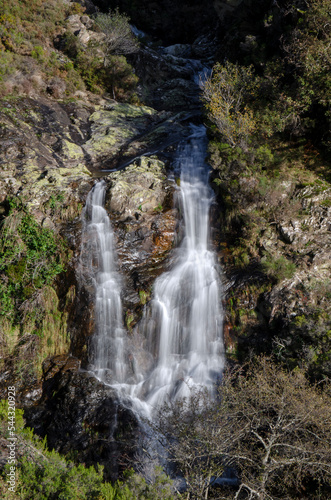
column 138, row 188
column 112, row 128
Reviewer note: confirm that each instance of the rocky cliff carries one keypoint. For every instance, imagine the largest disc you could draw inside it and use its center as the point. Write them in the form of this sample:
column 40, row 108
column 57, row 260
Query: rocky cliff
column 53, row 151
column 272, row 234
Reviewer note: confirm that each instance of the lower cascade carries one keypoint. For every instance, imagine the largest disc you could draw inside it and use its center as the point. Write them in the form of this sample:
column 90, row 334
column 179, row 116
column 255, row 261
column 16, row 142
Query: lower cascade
column 182, row 324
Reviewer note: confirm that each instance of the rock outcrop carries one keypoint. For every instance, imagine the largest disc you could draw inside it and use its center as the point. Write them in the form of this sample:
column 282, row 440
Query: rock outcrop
column 81, row 415
column 276, row 257
column 51, row 153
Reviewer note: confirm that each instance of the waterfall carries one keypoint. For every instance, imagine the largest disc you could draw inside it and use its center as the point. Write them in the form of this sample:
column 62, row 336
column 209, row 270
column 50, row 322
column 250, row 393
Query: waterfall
column 107, row 352
column 184, row 318
column 182, row 324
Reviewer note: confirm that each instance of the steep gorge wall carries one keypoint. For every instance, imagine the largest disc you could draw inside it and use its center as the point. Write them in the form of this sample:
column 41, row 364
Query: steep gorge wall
column 54, row 150
column 49, row 165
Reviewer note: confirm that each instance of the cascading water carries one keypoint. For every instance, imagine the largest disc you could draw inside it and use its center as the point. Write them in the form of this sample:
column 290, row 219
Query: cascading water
column 184, row 320
column 182, row 324
column 108, row 345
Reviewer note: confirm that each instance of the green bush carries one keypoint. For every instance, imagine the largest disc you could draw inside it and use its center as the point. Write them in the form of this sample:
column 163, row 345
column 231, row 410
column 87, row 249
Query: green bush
column 119, row 37
column 6, row 64
column 56, row 479
column 278, row 268
column 225, row 95
column 264, row 156
column 46, row 475
column 31, row 256
column 38, row 53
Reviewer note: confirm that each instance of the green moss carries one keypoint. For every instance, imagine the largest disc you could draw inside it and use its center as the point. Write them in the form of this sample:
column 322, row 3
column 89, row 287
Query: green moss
column 72, row 150
column 129, row 319
column 16, row 272
column 143, row 297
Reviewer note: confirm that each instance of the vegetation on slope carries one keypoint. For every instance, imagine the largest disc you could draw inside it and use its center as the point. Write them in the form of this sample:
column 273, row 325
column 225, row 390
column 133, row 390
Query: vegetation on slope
column 39, row 52
column 30, row 258
column 42, row 474
column 269, row 117
column 32, row 327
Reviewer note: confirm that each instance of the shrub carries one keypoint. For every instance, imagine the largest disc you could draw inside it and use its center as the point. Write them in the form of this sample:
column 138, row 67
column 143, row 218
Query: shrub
column 278, row 268
column 122, row 80
column 224, row 96
column 38, row 53
column 264, row 156
column 31, row 256
column 120, row 39
column 115, row 76
column 6, row 64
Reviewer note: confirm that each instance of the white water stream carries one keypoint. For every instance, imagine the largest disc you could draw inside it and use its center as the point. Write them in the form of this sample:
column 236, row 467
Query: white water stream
column 182, row 324
column 108, row 345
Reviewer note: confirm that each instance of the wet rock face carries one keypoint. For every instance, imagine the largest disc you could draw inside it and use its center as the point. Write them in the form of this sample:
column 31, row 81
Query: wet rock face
column 49, row 161
column 80, row 414
column 139, row 201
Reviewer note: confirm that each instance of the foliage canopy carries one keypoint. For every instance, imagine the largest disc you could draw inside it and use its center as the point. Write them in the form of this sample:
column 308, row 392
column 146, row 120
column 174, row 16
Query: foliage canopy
column 268, row 423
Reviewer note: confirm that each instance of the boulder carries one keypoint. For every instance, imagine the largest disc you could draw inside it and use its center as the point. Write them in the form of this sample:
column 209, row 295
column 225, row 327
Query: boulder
column 79, row 414
column 139, row 201
column 179, row 50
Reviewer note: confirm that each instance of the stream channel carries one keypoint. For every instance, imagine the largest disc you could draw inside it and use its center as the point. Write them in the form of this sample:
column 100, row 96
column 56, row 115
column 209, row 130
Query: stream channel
column 182, row 324
column 178, row 342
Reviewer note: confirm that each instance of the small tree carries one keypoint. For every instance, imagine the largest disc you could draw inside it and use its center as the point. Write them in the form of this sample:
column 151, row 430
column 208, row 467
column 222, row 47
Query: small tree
column 224, row 96
column 119, row 39
column 189, row 432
